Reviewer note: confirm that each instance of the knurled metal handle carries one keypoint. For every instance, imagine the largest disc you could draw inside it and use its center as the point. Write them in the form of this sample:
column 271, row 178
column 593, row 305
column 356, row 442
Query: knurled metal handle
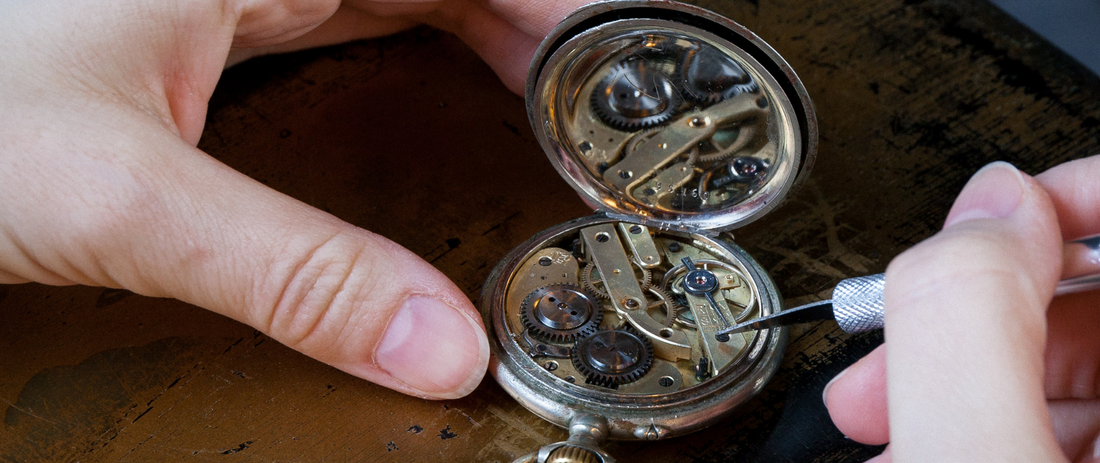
column 858, row 305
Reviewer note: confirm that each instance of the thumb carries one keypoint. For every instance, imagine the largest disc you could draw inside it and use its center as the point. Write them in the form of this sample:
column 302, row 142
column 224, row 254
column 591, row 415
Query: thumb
column 338, row 293
column 155, row 215
column 966, row 328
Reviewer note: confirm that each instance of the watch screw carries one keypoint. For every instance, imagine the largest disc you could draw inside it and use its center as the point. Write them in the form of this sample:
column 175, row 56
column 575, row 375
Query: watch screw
column 702, row 370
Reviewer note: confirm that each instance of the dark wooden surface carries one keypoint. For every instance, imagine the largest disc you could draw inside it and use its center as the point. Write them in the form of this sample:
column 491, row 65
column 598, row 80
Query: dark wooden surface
column 413, row 137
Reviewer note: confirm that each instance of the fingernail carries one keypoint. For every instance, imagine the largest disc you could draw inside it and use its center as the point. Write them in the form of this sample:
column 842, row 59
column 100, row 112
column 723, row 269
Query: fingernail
column 433, row 348
column 825, row 393
column 994, row 192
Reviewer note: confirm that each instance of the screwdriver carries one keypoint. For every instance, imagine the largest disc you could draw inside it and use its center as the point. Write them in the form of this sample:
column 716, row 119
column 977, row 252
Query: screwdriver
column 857, row 304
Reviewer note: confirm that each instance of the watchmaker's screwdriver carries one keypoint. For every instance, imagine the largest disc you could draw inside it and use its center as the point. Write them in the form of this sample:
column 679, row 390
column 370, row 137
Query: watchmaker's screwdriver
column 857, row 304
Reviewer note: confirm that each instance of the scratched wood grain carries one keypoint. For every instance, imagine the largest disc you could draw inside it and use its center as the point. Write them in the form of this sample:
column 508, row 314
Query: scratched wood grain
column 412, row 137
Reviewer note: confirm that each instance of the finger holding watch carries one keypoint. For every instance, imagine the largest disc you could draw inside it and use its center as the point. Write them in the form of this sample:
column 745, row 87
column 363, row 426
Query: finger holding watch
column 967, row 358
column 102, row 185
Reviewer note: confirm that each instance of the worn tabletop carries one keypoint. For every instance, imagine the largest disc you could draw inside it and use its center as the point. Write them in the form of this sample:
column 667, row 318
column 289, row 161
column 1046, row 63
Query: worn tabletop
column 411, row 136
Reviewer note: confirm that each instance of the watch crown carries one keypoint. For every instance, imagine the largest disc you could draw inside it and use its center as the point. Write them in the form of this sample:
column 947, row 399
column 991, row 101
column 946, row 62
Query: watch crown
column 571, row 454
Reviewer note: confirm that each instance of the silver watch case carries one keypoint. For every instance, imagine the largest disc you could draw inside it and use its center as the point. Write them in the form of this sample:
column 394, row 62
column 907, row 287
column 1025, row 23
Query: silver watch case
column 646, row 108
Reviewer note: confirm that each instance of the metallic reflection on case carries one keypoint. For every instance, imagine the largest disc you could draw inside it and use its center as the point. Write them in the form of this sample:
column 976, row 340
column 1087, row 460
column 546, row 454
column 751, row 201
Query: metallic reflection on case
column 677, row 124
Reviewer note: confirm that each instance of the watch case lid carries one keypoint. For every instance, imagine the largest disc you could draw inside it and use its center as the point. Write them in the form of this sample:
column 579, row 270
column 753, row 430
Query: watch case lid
column 670, row 115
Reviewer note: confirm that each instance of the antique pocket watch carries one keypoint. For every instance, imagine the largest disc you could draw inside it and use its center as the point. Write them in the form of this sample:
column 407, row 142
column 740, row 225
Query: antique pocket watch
column 677, row 124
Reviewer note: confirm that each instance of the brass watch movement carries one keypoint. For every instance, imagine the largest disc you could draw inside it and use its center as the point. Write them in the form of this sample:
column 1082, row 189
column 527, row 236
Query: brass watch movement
column 678, row 125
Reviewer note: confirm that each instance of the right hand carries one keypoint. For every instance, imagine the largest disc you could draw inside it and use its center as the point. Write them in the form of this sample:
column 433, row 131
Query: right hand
column 975, row 366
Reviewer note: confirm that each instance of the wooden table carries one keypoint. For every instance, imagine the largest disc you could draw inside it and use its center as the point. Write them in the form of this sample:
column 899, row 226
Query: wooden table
column 413, row 137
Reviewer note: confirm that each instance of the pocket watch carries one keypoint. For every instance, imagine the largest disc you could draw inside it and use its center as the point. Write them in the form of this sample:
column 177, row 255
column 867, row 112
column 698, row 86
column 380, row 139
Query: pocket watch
column 678, row 125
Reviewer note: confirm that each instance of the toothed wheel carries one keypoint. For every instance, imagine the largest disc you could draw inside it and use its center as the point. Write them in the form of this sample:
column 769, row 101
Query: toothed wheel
column 561, row 312
column 610, row 358
column 645, row 280
column 710, row 76
column 665, row 301
column 635, row 95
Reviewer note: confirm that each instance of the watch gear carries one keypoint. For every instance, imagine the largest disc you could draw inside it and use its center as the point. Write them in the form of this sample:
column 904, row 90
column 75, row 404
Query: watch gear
column 590, row 284
column 728, row 142
column 610, row 358
column 561, row 312
column 710, row 76
column 619, row 97
column 635, row 94
column 685, row 317
column 645, row 280
column 663, row 300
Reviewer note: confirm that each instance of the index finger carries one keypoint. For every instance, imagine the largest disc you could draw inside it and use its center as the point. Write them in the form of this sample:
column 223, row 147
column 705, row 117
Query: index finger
column 505, row 33
column 966, row 324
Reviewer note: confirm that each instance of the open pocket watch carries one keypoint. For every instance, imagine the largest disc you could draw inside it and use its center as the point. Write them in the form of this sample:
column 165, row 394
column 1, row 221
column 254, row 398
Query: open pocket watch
column 677, row 124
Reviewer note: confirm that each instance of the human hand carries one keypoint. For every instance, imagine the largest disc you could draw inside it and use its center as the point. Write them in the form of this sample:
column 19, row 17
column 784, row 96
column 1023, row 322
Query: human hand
column 975, row 366
column 101, row 183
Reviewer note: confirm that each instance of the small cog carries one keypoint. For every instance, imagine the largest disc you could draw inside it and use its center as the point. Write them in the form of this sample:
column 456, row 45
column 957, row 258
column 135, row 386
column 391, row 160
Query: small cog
column 561, row 312
column 610, row 358
column 685, row 317
column 742, row 136
column 665, row 300
column 645, row 281
column 635, row 95
column 590, row 284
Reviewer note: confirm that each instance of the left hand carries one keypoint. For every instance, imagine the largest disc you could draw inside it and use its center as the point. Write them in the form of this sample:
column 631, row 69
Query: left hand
column 101, row 182
column 504, row 33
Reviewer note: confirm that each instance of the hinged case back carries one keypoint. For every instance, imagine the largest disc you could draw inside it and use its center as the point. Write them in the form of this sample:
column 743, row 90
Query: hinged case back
column 669, row 115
